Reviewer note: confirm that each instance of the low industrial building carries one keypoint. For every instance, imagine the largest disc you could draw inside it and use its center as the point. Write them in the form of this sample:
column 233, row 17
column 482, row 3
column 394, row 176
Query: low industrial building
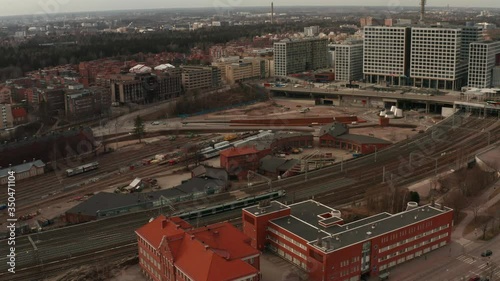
column 106, row 204
column 246, row 155
column 272, row 166
column 314, row 238
column 171, row 249
column 23, row 171
column 337, row 135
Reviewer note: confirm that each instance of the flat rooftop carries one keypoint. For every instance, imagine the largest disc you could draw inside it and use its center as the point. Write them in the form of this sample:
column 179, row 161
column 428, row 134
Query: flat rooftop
column 272, row 207
column 308, row 221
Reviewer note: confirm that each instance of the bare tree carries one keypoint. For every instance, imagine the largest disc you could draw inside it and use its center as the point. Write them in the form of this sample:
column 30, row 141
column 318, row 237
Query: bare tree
column 474, row 207
column 457, row 201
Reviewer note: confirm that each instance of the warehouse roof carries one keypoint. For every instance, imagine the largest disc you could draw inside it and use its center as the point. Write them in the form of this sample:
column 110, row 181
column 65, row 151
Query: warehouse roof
column 363, row 139
column 21, row 168
column 334, row 129
column 106, row 201
column 239, row 151
column 198, row 185
column 270, row 163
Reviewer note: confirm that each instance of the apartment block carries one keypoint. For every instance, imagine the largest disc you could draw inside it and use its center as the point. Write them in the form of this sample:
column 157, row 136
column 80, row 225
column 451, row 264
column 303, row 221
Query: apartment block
column 201, row 77
column 145, row 87
column 237, row 70
column 170, row 249
column 87, row 103
column 311, row 31
column 386, row 54
column 483, row 58
column 6, row 118
column 349, row 61
column 299, row 55
column 315, row 238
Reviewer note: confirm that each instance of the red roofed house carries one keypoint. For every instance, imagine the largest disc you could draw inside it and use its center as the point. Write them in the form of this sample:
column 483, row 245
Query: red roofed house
column 171, row 249
column 239, row 160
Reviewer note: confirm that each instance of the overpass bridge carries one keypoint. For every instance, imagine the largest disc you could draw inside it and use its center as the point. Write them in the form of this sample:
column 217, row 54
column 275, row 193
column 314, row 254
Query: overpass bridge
column 381, row 99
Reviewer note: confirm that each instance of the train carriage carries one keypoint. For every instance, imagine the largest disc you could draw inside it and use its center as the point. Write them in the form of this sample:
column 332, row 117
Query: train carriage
column 82, row 169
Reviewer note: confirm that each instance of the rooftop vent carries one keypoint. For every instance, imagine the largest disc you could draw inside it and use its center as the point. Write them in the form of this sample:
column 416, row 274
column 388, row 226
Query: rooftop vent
column 411, row 205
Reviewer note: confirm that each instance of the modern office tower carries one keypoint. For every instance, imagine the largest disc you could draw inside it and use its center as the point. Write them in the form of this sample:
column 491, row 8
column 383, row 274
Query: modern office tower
column 436, row 58
column 349, row 61
column 386, row 54
column 483, row 58
column 299, row 55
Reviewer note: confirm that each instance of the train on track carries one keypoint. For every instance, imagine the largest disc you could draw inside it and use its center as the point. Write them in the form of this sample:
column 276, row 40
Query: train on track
column 233, row 205
column 82, row 169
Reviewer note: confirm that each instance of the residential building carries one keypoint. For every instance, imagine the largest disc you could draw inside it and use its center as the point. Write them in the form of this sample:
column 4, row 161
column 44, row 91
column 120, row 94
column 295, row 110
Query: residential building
column 386, row 54
column 54, row 100
column 299, row 55
column 349, row 61
column 23, row 171
column 5, row 95
column 237, row 70
column 6, row 117
column 483, row 58
column 145, row 87
column 172, row 249
column 87, row 103
column 19, row 115
column 311, row 31
column 331, row 55
column 315, row 238
column 369, row 21
column 496, row 76
column 201, row 77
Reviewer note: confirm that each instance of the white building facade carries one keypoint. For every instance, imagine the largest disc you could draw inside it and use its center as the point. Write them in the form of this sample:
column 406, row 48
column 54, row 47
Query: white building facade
column 483, row 58
column 348, row 62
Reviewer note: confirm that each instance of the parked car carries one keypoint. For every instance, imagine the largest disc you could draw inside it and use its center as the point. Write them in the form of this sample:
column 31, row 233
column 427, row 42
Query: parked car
column 486, row 253
column 155, row 123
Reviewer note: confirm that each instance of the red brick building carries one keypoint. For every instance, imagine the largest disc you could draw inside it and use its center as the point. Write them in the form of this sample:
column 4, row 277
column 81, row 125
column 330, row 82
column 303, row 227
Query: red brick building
column 171, row 249
column 337, row 135
column 312, row 236
column 239, row 160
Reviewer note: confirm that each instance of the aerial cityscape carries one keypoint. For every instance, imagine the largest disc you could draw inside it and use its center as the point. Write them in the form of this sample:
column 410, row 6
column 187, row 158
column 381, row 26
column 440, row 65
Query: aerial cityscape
column 250, row 141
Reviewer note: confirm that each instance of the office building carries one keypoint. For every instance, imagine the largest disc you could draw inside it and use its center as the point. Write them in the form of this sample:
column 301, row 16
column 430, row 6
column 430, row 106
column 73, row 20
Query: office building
column 349, row 61
column 145, row 87
column 386, row 54
column 483, row 58
column 436, row 58
column 315, row 238
column 171, row 249
column 299, row 55
column 201, row 77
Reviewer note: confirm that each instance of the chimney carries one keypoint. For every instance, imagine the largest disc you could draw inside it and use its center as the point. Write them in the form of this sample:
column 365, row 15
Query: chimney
column 206, row 247
column 164, row 224
column 216, row 233
column 288, row 221
column 320, row 240
column 433, row 202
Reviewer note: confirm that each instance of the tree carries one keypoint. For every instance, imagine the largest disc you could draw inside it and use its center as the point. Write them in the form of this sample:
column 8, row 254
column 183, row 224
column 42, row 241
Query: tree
column 414, row 196
column 457, row 201
column 139, row 129
column 475, row 209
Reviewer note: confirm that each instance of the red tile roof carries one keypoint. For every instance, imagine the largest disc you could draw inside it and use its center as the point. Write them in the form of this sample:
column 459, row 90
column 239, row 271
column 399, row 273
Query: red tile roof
column 154, row 231
column 225, row 240
column 19, row 112
column 202, row 253
column 202, row 264
column 239, row 151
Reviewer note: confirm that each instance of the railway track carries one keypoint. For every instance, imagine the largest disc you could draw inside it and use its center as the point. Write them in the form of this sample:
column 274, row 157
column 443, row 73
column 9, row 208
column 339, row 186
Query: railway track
column 334, row 185
column 37, row 192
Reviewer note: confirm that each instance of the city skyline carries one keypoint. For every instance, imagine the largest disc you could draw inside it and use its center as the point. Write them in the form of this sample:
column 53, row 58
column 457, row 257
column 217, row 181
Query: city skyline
column 29, row 7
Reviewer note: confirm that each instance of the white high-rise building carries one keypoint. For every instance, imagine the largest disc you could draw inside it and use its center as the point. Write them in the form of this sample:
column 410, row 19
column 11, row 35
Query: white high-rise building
column 483, row 58
column 311, row 31
column 349, row 61
column 436, row 58
column 386, row 54
column 299, row 55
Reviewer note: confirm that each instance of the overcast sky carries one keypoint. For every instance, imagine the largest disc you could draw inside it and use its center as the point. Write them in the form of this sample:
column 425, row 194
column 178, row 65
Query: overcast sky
column 23, row 7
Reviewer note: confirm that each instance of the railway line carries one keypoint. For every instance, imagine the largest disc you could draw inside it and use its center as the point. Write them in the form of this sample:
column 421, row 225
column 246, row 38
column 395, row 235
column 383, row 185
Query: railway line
column 36, row 192
column 333, row 185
